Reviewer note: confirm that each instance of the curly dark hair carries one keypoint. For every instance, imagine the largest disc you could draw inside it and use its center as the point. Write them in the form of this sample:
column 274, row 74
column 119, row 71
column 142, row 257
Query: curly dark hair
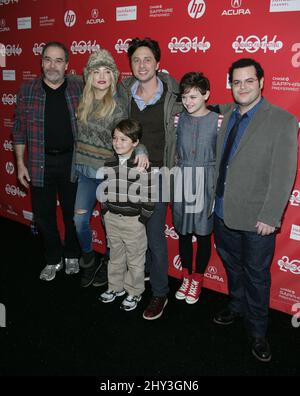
column 146, row 42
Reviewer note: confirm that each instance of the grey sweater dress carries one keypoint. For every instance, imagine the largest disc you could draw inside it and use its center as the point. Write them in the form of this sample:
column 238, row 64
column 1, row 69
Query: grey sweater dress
column 194, row 177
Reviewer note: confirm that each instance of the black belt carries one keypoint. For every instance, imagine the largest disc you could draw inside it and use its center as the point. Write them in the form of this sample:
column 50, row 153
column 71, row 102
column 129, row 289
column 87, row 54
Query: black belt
column 58, row 152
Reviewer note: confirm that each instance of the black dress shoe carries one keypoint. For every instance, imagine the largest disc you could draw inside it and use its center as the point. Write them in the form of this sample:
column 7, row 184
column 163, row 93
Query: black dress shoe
column 101, row 275
column 261, row 349
column 226, row 317
column 89, row 267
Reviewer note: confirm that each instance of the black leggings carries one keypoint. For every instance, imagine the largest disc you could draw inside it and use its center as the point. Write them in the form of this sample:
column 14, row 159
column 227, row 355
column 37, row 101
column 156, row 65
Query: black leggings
column 202, row 255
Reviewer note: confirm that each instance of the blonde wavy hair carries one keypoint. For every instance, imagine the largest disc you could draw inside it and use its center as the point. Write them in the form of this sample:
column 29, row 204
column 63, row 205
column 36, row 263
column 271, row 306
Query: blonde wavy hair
column 87, row 107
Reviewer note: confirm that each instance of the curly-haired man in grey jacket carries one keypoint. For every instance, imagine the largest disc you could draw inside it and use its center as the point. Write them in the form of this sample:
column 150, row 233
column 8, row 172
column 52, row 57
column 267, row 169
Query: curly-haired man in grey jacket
column 151, row 97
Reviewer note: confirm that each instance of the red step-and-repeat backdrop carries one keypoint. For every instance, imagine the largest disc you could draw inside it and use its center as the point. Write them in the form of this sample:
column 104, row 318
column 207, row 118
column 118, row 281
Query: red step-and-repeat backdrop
column 203, row 35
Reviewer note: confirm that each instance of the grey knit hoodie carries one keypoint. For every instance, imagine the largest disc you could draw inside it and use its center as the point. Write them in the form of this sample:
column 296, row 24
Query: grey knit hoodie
column 94, row 141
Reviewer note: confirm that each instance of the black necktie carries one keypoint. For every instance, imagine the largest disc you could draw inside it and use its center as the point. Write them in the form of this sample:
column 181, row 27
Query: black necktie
column 226, row 155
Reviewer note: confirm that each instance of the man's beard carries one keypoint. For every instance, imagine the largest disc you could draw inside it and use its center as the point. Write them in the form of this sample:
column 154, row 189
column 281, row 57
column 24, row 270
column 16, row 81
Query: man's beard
column 53, row 77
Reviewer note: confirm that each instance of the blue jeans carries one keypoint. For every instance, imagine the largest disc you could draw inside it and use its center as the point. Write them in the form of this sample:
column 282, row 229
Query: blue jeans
column 247, row 258
column 85, row 201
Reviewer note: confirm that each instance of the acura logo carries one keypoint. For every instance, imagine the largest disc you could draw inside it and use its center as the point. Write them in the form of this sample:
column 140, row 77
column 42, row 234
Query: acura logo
column 212, row 270
column 94, row 13
column 236, row 3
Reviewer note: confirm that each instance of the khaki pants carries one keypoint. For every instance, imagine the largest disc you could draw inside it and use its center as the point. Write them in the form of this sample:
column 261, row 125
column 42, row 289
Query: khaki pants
column 128, row 244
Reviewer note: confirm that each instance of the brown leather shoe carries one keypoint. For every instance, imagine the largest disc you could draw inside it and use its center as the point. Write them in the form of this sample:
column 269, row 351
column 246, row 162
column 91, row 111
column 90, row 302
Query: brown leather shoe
column 155, row 308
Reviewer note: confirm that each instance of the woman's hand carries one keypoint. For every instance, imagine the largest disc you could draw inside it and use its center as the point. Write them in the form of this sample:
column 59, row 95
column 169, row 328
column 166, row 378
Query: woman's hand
column 142, row 161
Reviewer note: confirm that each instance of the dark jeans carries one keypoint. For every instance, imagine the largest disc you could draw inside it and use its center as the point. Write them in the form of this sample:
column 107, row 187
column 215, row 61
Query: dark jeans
column 157, row 254
column 203, row 252
column 56, row 182
column 247, row 258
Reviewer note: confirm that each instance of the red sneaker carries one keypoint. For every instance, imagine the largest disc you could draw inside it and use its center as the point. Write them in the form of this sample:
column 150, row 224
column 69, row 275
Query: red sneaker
column 195, row 288
column 184, row 288
column 155, row 308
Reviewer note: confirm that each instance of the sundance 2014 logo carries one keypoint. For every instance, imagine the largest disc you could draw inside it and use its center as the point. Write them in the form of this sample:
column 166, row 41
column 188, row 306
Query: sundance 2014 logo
column 296, row 57
column 186, row 44
column 38, row 48
column 13, row 50
column 296, row 317
column 14, row 191
column 9, row 99
column 170, row 232
column 2, row 55
column 82, row 47
column 286, row 265
column 254, row 43
column 122, row 45
column 295, row 198
column 8, row 145
column 6, row 2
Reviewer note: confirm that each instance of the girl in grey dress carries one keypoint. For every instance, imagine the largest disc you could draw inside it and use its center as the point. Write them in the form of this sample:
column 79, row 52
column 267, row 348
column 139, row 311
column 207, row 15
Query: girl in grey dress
column 194, row 178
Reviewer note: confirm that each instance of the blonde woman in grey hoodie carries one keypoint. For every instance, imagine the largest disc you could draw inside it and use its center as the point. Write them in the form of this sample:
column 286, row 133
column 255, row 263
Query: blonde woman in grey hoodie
column 99, row 112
